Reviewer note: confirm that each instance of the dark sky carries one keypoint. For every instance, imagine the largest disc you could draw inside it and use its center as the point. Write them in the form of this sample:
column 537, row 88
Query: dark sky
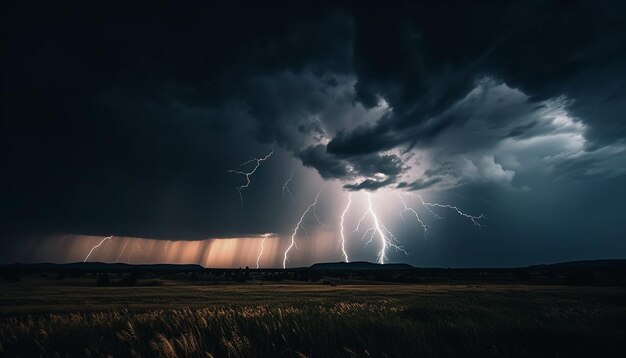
column 124, row 120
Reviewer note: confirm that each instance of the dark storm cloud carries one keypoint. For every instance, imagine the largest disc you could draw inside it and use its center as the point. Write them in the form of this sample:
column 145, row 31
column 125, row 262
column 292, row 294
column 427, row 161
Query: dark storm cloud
column 426, row 58
column 365, row 139
column 326, row 164
column 386, row 164
column 347, row 168
column 369, row 184
column 419, row 184
column 521, row 129
column 602, row 163
column 126, row 118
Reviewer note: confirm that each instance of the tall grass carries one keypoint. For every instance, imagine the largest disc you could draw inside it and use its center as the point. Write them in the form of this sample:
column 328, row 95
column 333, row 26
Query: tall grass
column 446, row 325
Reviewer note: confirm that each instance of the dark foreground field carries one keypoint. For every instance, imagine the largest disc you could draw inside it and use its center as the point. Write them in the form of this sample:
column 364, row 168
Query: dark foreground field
column 312, row 320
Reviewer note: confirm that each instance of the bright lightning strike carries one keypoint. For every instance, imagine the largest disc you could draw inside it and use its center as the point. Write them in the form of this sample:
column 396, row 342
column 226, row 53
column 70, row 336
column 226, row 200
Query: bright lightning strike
column 417, row 217
column 295, row 231
column 95, row 247
column 358, row 224
column 473, row 219
column 343, row 238
column 286, row 187
column 261, row 250
column 247, row 175
column 386, row 237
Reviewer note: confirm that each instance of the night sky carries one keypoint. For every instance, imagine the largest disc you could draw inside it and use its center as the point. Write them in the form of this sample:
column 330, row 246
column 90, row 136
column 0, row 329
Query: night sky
column 124, row 120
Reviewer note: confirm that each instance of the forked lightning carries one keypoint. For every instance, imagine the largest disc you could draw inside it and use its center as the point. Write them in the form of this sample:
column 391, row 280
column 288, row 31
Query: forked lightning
column 295, row 230
column 247, row 175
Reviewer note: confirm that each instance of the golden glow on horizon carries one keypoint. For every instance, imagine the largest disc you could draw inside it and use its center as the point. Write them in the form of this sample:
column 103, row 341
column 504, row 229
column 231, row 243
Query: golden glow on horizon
column 226, row 253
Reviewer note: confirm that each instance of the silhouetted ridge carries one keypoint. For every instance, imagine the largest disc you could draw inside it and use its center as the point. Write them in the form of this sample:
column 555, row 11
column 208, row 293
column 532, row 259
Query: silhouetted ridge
column 359, row 265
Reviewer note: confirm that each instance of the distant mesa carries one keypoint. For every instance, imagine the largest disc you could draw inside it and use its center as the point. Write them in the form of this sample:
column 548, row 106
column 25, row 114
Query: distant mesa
column 359, row 266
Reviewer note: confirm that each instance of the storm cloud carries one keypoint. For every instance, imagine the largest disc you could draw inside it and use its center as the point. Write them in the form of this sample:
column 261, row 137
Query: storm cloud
column 126, row 120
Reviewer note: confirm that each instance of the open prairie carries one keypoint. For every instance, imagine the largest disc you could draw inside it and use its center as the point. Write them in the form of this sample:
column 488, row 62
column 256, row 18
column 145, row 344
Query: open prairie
column 70, row 318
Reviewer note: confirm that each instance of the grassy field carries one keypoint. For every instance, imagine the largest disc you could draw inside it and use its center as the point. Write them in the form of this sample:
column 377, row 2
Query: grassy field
column 301, row 320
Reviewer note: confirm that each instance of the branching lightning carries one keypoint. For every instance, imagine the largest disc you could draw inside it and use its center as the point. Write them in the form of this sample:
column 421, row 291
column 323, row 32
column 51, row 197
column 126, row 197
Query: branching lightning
column 343, row 238
column 386, row 237
column 358, row 224
column 247, row 175
column 473, row 219
column 295, row 230
column 286, row 187
column 417, row 217
column 95, row 247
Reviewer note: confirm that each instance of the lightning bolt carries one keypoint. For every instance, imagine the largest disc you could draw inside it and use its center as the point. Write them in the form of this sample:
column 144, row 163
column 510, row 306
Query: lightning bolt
column 427, row 208
column 343, row 238
column 261, row 250
column 473, row 219
column 358, row 224
column 121, row 252
column 95, row 247
column 412, row 211
column 247, row 175
column 386, row 237
column 295, row 230
column 317, row 217
column 286, row 187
